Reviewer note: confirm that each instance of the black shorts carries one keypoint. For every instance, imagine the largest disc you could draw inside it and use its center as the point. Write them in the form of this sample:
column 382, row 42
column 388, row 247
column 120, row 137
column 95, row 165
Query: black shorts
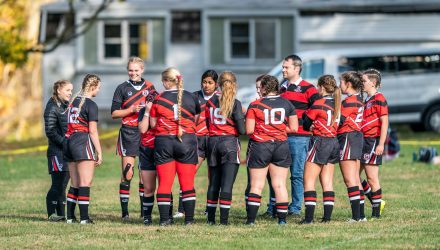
column 368, row 152
column 260, row 154
column 168, row 148
column 202, row 145
column 56, row 163
column 222, row 150
column 350, row 146
column 146, row 159
column 129, row 140
column 323, row 150
column 79, row 147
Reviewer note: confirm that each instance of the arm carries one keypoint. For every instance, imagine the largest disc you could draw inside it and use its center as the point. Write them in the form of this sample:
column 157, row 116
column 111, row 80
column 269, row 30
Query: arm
column 120, row 113
column 50, row 126
column 145, row 118
column 250, row 126
column 307, row 122
column 383, row 134
column 93, row 132
column 293, row 124
column 240, row 126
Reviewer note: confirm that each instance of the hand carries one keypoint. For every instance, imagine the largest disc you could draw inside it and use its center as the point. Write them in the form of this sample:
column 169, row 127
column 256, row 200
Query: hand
column 148, row 107
column 98, row 160
column 379, row 149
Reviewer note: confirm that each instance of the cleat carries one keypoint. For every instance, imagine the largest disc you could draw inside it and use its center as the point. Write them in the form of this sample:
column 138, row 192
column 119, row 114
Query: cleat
column 178, row 215
column 250, row 223
column 125, row 217
column 382, row 206
column 55, row 218
column 282, row 222
column 166, row 223
column 363, row 219
column 325, row 220
column 88, row 221
column 211, row 223
column 305, row 222
column 352, row 221
column 148, row 221
column 72, row 220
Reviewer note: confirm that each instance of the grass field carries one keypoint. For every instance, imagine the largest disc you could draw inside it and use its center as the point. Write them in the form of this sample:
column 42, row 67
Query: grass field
column 411, row 217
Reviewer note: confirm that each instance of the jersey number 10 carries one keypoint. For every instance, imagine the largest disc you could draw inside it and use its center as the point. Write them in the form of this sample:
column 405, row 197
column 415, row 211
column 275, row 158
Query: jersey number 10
column 270, row 116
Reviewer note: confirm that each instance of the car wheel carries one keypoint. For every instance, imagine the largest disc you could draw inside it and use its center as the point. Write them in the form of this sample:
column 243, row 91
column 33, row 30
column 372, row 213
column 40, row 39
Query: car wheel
column 432, row 119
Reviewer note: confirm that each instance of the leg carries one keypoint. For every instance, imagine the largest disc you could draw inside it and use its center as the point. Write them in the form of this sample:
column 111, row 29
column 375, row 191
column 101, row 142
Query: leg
column 85, row 173
column 165, row 173
column 124, row 186
column 61, row 207
column 326, row 179
column 149, row 180
column 186, row 173
column 298, row 149
column 53, row 195
column 372, row 172
column 248, row 189
column 229, row 173
column 141, row 191
column 215, row 175
column 257, row 178
column 72, row 196
column 278, row 176
column 271, row 205
column 311, row 172
column 350, row 172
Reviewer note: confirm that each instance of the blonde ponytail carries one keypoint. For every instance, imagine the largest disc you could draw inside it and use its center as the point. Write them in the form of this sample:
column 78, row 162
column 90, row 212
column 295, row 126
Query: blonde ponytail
column 228, row 85
column 179, row 106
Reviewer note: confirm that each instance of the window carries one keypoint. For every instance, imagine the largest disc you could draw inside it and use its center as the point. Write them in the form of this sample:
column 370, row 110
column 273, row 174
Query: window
column 313, row 69
column 388, row 64
column 185, row 27
column 252, row 40
column 120, row 40
column 53, row 24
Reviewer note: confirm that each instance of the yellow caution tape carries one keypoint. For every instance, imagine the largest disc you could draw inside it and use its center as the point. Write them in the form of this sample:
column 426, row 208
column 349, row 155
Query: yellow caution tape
column 414, row 143
column 44, row 147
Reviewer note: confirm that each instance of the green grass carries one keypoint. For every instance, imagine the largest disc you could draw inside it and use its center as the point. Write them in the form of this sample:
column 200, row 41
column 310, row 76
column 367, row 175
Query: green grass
column 410, row 219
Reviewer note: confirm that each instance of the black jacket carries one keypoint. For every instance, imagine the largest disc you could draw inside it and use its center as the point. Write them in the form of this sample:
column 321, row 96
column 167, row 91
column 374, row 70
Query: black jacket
column 55, row 126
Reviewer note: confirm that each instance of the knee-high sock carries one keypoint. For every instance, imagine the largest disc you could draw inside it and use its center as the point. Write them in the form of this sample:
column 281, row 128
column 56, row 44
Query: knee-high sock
column 254, row 202
column 354, row 196
column 124, row 196
column 189, row 204
column 329, row 202
column 282, row 209
column 362, row 205
column 141, row 195
column 225, row 206
column 215, row 175
column 376, row 199
column 367, row 190
column 72, row 199
column 148, row 204
column 163, row 203
column 180, row 208
column 83, row 202
column 310, row 204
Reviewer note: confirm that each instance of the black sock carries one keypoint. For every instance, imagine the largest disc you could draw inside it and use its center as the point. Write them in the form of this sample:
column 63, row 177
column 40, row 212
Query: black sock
column 141, row 196
column 376, row 199
column 246, row 197
column 163, row 203
column 329, row 202
column 362, row 205
column 148, row 204
column 310, row 204
column 189, row 204
column 83, row 202
column 180, row 209
column 253, row 203
column 225, row 206
column 211, row 205
column 72, row 199
column 61, row 206
column 51, row 202
column 354, row 196
column 170, row 212
column 367, row 190
column 124, row 197
column 282, row 209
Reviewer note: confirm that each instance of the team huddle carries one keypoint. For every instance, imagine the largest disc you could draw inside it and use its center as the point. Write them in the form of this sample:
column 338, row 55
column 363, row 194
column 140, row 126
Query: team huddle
column 291, row 126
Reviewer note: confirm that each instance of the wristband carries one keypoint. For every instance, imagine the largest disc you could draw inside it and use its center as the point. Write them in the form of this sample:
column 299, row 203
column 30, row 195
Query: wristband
column 147, row 114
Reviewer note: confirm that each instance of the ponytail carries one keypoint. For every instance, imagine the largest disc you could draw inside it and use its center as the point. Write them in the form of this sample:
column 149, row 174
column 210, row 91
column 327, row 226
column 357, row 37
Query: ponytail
column 56, row 86
column 179, row 106
column 229, row 91
column 337, row 97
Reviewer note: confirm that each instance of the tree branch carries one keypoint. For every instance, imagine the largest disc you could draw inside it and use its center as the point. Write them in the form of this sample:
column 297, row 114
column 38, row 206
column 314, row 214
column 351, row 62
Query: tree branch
column 67, row 35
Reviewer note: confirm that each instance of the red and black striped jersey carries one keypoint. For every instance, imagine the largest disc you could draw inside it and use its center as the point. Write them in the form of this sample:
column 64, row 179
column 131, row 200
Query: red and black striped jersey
column 352, row 109
column 375, row 107
column 321, row 113
column 271, row 116
column 78, row 120
column 130, row 93
column 166, row 111
column 201, row 128
column 302, row 96
column 147, row 138
column 219, row 125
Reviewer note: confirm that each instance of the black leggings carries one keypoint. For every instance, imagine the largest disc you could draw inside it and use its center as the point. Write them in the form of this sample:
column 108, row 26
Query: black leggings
column 56, row 196
column 222, row 178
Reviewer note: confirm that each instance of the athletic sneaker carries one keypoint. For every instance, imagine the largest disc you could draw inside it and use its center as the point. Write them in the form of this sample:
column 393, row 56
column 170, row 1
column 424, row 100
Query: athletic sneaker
column 178, row 215
column 166, row 223
column 55, row 218
column 249, row 223
column 88, row 221
column 148, row 221
column 382, row 206
column 125, row 217
column 363, row 220
column 71, row 221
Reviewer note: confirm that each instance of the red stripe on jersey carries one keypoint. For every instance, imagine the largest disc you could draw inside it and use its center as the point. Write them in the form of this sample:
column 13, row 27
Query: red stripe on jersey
column 321, row 113
column 218, row 125
column 351, row 111
column 375, row 107
column 147, row 138
column 201, row 129
column 136, row 99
